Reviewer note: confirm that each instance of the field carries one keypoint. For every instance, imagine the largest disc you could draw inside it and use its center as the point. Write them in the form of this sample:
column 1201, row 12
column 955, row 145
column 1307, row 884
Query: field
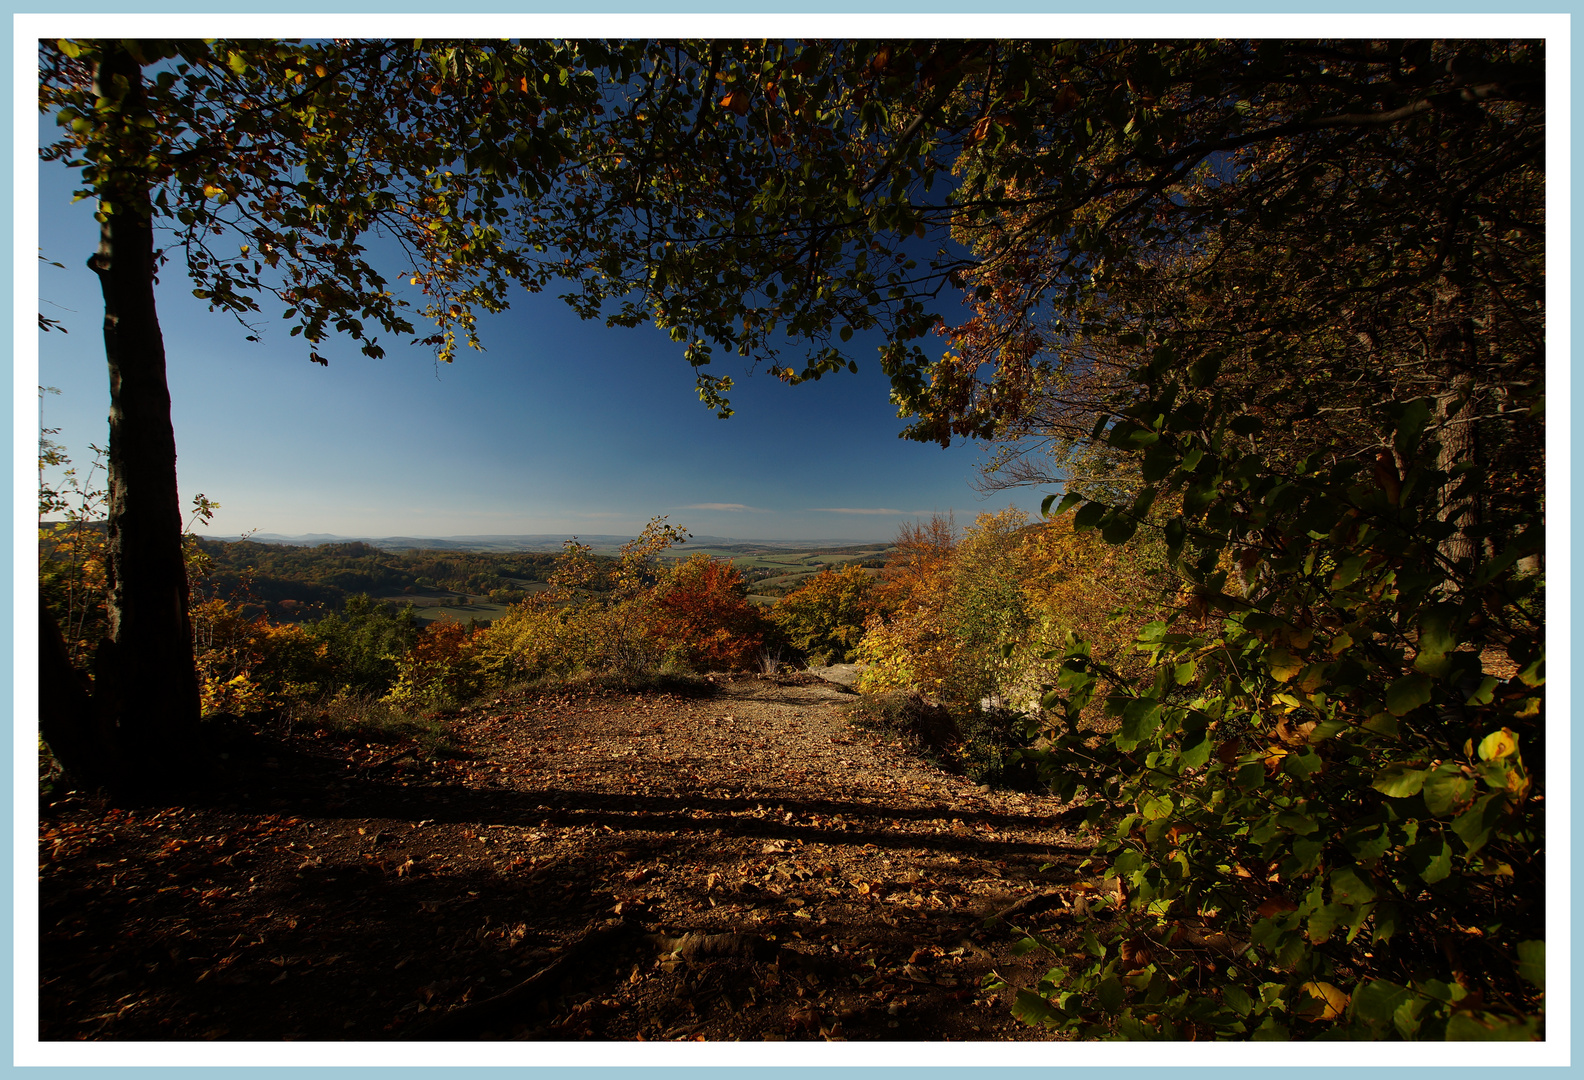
column 434, row 605
column 781, row 571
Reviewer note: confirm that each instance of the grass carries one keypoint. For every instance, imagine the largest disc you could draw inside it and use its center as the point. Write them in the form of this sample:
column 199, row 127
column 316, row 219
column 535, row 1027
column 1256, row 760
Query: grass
column 665, row 679
column 366, row 717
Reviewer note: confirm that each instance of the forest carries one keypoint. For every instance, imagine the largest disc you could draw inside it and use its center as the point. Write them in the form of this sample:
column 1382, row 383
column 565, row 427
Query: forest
column 1262, row 321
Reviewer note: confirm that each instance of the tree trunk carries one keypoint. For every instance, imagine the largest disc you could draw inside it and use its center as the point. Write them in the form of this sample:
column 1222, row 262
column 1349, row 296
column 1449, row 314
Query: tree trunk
column 140, row 726
column 1456, row 409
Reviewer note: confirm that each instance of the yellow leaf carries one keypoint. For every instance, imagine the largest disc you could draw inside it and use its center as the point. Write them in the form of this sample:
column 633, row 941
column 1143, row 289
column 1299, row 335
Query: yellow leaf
column 1324, row 1002
column 1498, row 744
column 1283, row 664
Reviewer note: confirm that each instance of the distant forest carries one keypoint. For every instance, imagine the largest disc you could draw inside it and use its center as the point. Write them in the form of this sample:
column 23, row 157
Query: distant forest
column 295, row 583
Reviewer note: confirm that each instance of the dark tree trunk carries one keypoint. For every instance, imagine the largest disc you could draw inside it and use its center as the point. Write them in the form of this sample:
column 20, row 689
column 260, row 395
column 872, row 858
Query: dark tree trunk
column 1456, row 410
column 138, row 729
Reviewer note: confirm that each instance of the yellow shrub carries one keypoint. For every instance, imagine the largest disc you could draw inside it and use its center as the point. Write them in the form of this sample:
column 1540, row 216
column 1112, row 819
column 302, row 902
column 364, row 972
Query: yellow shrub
column 248, row 664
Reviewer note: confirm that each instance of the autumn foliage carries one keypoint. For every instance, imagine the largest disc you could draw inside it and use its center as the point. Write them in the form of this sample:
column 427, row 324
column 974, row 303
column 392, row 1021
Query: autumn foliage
column 705, row 617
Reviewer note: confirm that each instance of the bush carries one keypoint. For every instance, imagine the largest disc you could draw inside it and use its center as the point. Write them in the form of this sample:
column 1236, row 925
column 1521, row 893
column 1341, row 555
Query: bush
column 1327, row 788
column 984, row 745
column 364, row 717
column 703, row 616
column 964, row 623
column 825, row 618
column 362, row 644
column 246, row 664
column 440, row 671
column 597, row 616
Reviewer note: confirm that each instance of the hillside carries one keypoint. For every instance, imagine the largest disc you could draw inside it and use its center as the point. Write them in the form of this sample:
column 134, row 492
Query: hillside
column 292, row 581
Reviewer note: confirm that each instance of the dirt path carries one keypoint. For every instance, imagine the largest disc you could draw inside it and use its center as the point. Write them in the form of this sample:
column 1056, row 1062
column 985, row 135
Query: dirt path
column 601, row 865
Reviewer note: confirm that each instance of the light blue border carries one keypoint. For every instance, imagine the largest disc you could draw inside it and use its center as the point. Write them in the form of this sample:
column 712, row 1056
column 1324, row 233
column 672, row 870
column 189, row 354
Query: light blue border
column 734, row 7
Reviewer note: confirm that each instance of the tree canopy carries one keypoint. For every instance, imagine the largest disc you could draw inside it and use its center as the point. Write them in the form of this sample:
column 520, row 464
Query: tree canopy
column 1278, row 303
column 1290, row 297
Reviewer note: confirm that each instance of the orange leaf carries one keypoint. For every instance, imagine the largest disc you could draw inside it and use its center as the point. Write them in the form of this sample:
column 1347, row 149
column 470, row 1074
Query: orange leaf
column 1274, row 907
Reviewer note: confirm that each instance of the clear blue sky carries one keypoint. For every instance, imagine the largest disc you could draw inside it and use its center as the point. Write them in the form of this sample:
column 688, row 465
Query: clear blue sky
column 560, row 426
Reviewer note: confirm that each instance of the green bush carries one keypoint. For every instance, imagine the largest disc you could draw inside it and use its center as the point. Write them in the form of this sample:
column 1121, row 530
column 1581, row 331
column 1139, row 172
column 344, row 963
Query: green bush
column 365, row 717
column 1327, row 799
column 363, row 642
column 824, row 619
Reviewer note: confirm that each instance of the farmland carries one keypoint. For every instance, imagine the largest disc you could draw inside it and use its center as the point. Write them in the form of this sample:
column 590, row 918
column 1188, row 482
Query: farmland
column 296, row 581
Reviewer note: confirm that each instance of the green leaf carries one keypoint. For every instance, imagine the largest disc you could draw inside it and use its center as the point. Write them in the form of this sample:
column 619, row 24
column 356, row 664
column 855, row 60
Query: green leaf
column 1367, row 844
column 1447, row 789
column 1140, row 719
column 1498, row 745
column 1399, row 781
column 1531, row 962
column 1411, row 426
column 1271, row 1030
column 1159, row 461
column 1485, row 693
column 1237, row 999
column 1205, row 369
column 1111, row 994
column 1155, row 807
column 1475, row 825
column 1488, row 1027
column 1196, row 750
column 1351, row 886
column 1119, row 530
column 1307, row 853
column 1283, row 664
column 1292, row 820
column 1408, row 693
column 1406, row 1019
column 1431, row 859
column 1376, row 1002
column 1068, row 501
column 1089, row 515
column 1325, row 920
column 1176, row 532
column 1436, row 640
column 1034, row 1010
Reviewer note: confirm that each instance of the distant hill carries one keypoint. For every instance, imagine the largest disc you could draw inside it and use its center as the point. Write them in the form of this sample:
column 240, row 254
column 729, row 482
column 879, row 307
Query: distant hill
column 545, row 542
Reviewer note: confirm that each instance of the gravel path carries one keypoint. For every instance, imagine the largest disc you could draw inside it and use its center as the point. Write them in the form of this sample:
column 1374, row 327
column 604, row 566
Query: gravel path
column 599, row 865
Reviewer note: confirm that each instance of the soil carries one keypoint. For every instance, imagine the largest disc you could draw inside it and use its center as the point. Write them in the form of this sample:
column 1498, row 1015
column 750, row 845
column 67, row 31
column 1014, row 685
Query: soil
column 593, row 864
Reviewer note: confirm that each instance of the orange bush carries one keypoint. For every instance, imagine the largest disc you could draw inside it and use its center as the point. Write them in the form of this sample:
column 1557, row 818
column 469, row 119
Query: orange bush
column 705, row 615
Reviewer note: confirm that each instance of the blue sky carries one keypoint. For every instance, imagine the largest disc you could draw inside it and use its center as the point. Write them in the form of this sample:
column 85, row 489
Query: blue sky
column 560, row 426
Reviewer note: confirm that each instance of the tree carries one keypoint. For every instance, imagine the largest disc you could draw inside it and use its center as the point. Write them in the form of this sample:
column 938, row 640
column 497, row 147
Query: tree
column 269, row 163
column 1296, row 288
column 825, row 617
column 702, row 612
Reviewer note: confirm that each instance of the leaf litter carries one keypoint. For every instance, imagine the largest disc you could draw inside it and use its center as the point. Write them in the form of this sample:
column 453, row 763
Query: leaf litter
column 592, row 864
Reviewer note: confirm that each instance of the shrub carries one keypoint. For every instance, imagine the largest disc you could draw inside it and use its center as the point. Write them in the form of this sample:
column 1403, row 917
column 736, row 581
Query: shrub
column 248, row 665
column 962, row 626
column 353, row 715
column 440, row 670
column 1328, row 787
column 362, row 643
column 535, row 639
column 703, row 616
column 596, row 616
column 825, row 618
